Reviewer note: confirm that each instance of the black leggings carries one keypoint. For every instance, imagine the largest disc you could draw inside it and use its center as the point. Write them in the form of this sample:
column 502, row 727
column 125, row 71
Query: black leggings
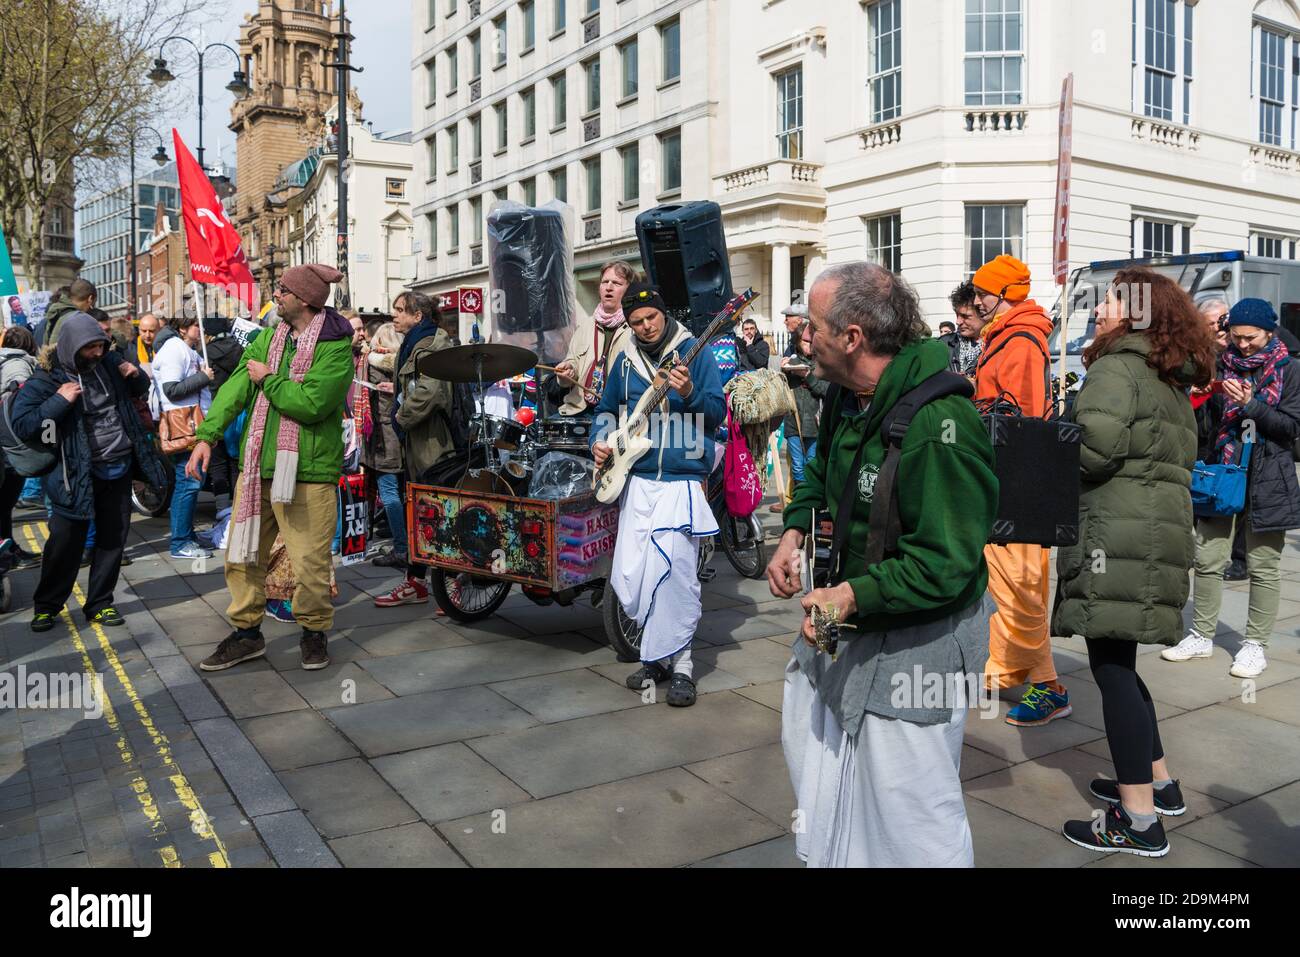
column 1126, row 708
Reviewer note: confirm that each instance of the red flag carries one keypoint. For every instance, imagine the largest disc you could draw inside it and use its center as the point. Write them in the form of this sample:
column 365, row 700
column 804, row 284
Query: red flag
column 216, row 256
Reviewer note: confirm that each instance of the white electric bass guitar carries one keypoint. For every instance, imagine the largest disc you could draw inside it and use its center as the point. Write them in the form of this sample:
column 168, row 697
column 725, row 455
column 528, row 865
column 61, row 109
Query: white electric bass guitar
column 629, row 443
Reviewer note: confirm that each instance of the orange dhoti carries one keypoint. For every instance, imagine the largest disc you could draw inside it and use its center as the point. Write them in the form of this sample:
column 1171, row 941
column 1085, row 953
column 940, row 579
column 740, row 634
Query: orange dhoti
column 1020, row 646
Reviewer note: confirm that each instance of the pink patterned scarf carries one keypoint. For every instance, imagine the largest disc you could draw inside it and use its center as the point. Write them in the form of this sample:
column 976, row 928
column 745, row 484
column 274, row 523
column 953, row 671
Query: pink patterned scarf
column 246, row 527
column 607, row 321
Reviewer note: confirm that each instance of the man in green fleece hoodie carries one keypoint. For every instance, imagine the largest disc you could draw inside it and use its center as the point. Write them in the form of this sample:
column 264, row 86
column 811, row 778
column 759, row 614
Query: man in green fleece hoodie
column 873, row 736
column 293, row 381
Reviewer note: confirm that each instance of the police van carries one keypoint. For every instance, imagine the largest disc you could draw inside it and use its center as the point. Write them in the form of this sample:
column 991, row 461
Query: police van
column 1230, row 276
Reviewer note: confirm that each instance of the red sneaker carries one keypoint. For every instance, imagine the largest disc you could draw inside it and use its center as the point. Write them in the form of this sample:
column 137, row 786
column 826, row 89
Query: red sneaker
column 407, row 593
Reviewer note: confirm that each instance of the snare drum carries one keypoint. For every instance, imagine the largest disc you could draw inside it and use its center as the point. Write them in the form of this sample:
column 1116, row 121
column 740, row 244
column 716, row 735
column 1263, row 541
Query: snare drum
column 505, row 434
column 566, row 433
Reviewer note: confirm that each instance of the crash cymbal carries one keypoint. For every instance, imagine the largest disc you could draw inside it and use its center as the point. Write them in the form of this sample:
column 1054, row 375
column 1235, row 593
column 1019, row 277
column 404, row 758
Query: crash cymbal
column 461, row 363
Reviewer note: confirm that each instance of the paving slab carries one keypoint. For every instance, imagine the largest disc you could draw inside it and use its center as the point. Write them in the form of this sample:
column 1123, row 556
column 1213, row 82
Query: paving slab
column 423, row 635
column 976, row 763
column 346, row 797
column 756, row 662
column 1002, row 839
column 757, row 778
column 284, row 652
column 342, row 683
column 708, row 678
column 554, row 758
column 1085, row 702
column 1280, row 702
column 448, row 781
column 729, row 625
column 1054, row 788
column 251, row 693
column 778, row 852
column 483, row 664
column 296, row 739
column 568, row 694
column 1264, row 830
column 994, row 736
column 770, row 693
column 424, row 720
column 1227, row 753
column 664, row 819
column 407, row 845
column 1203, row 681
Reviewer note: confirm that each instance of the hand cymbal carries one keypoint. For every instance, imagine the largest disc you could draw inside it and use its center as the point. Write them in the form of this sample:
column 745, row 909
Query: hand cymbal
column 462, row 363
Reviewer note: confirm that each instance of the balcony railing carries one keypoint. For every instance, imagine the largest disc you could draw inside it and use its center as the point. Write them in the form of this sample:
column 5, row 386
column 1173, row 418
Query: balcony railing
column 591, row 129
column 591, row 228
column 775, row 172
column 1165, row 134
column 475, row 90
column 996, row 121
column 475, row 173
column 1270, row 157
column 884, row 134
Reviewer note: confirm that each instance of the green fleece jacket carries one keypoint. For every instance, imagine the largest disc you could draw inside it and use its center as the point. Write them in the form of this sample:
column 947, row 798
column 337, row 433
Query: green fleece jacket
column 317, row 404
column 947, row 497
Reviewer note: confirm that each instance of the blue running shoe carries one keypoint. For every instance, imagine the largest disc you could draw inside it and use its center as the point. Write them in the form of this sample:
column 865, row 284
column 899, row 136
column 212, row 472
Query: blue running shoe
column 280, row 610
column 1039, row 705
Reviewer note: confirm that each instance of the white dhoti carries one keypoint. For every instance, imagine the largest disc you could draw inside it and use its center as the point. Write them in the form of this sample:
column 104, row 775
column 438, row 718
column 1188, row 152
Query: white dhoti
column 654, row 568
column 888, row 797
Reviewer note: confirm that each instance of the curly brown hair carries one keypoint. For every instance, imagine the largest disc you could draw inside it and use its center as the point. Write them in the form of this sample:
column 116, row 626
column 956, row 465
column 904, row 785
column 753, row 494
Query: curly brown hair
column 1177, row 333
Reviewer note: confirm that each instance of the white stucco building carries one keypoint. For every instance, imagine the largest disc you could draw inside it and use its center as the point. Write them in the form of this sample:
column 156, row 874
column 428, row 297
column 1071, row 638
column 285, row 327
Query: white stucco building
column 919, row 133
column 380, row 261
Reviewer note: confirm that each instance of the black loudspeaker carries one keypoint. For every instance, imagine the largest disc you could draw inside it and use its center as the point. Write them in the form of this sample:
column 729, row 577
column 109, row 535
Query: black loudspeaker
column 528, row 264
column 1037, row 464
column 685, row 256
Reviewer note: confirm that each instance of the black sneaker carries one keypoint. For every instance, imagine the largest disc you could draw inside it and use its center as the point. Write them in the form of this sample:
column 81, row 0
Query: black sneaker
column 651, row 671
column 86, row 556
column 27, row 503
column 681, row 693
column 1114, row 833
column 107, row 617
column 1235, row 572
column 389, row 559
column 1168, row 800
column 25, row 559
column 236, row 647
column 126, row 560
column 314, row 656
column 42, row 621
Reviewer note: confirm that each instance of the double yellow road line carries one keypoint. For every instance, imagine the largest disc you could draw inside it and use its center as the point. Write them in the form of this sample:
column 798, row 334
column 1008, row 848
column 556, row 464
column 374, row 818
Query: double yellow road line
column 200, row 823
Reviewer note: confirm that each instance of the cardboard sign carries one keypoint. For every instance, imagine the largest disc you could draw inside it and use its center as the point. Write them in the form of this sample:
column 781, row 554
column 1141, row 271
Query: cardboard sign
column 355, row 517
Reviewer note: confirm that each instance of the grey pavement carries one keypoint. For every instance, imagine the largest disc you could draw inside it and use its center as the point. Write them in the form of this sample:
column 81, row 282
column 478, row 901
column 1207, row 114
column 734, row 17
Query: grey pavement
column 513, row 741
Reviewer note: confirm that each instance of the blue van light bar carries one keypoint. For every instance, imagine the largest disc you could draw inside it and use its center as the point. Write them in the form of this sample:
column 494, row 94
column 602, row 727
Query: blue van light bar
column 1224, row 257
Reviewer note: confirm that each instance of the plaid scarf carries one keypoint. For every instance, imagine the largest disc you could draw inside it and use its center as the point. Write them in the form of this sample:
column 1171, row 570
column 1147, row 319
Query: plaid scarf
column 361, row 398
column 968, row 354
column 246, row 523
column 1263, row 373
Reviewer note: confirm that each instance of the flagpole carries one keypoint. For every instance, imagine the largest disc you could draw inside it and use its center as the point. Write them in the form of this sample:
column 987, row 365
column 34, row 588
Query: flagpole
column 198, row 308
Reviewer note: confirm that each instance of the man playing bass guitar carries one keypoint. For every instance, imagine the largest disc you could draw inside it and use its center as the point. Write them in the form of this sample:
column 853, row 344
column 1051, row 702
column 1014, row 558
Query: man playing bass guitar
column 664, row 509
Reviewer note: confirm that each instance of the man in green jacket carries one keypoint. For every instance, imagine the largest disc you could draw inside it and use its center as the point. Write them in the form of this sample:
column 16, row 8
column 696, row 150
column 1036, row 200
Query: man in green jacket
column 292, row 381
column 81, row 297
column 873, row 736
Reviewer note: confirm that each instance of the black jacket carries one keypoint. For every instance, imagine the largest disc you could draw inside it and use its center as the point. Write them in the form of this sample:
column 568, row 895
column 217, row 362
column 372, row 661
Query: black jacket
column 70, row 486
column 752, row 357
column 224, row 353
column 1272, row 487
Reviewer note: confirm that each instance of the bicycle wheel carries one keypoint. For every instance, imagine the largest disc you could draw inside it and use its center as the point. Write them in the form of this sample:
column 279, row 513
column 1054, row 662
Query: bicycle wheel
column 466, row 597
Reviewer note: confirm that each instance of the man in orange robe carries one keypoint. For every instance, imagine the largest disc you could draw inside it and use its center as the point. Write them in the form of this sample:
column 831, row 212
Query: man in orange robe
column 1014, row 364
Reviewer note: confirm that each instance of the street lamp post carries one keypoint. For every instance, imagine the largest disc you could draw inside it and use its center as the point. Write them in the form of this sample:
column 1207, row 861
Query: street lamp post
column 161, row 158
column 343, row 297
column 162, row 76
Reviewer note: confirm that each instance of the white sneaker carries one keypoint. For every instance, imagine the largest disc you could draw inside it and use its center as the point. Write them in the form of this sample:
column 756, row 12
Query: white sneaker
column 1249, row 662
column 1194, row 645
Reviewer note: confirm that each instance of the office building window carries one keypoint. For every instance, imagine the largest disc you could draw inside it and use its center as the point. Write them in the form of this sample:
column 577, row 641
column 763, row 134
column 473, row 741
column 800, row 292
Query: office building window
column 451, row 7
column 528, row 14
column 560, row 184
column 432, row 221
column 1160, row 237
column 631, row 157
column 559, row 101
column 453, row 68
column 1271, row 247
column 992, row 231
column 591, row 169
column 592, row 70
column 528, row 101
column 670, row 38
column 530, row 191
column 789, row 113
column 453, row 228
column 1279, row 86
column 476, row 137
column 885, row 40
column 1162, row 59
column 395, row 188
column 994, row 55
column 499, row 42
column 475, row 55
column 884, row 245
column 592, row 6
column 559, row 15
column 431, row 157
column 453, row 148
column 670, row 152
column 476, row 214
column 628, row 62
column 430, row 82
column 502, row 114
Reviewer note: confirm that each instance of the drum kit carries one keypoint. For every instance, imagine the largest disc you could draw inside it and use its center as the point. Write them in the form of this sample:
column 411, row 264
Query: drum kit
column 512, row 448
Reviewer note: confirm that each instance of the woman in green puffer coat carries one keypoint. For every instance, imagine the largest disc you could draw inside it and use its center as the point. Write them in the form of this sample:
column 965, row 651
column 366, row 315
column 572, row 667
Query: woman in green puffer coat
column 1125, row 583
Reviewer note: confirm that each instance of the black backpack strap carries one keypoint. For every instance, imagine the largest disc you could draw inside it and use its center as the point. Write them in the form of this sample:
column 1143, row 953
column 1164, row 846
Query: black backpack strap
column 884, row 523
column 1047, row 363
